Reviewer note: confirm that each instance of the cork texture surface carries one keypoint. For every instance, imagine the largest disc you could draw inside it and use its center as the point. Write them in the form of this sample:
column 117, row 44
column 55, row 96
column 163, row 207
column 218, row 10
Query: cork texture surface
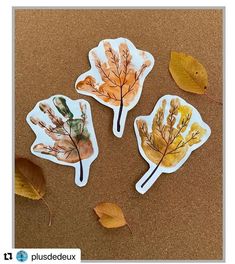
column 181, row 216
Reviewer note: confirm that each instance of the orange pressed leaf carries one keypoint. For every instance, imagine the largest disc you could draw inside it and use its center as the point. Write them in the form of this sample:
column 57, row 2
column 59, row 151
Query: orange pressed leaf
column 116, row 77
column 110, row 215
column 30, row 181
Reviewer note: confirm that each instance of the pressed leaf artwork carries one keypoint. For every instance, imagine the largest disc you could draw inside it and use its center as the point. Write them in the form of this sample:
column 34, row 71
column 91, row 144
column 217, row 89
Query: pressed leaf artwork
column 116, row 77
column 167, row 137
column 64, row 134
column 110, row 215
column 29, row 181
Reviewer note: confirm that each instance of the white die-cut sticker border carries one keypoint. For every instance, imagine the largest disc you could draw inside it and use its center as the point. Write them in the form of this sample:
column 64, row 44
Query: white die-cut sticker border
column 116, row 77
column 57, row 142
column 155, row 170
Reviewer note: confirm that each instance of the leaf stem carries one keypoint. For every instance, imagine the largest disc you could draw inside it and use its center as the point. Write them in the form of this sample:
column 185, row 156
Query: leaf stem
column 79, row 155
column 129, row 228
column 120, row 114
column 155, row 169
column 49, row 209
column 81, row 166
column 213, row 99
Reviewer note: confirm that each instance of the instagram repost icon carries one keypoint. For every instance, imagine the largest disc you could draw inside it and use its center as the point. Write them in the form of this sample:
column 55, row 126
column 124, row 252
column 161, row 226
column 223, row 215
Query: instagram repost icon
column 21, row 256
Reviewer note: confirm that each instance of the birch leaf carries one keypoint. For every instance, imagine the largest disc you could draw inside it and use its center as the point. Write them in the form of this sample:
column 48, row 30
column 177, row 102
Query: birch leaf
column 110, row 215
column 30, row 182
column 188, row 73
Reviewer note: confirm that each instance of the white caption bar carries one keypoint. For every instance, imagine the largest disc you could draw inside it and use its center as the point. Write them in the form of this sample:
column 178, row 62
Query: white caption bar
column 40, row 256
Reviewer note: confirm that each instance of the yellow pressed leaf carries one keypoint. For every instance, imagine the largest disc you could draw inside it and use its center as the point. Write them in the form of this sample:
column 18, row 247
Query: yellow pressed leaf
column 185, row 114
column 197, row 136
column 110, row 215
column 189, row 74
column 167, row 144
column 116, row 76
column 30, row 181
column 177, row 130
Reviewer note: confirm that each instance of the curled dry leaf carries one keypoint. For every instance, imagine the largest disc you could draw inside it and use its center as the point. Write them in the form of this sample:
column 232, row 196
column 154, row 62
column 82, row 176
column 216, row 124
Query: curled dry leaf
column 110, row 215
column 189, row 74
column 30, row 181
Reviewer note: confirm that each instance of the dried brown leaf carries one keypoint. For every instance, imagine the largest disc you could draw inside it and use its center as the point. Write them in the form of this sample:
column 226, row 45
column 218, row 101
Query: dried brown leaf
column 110, row 215
column 189, row 74
column 30, row 181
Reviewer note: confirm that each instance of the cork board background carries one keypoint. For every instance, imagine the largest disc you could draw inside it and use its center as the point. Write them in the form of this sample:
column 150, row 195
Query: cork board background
column 181, row 217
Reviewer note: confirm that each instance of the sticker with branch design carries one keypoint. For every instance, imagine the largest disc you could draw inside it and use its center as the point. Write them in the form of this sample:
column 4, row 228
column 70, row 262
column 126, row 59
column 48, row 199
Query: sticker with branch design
column 167, row 137
column 116, row 77
column 64, row 134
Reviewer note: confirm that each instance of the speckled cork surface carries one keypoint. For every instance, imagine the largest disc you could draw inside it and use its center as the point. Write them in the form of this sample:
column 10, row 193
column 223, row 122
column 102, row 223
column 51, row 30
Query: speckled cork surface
column 181, row 217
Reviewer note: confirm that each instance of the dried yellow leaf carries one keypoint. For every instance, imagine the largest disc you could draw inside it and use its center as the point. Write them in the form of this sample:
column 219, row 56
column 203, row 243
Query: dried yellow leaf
column 189, row 74
column 110, row 214
column 29, row 180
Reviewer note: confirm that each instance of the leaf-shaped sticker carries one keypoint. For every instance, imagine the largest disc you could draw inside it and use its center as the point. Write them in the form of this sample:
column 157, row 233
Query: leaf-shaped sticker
column 64, row 134
column 116, row 77
column 189, row 74
column 167, row 137
column 29, row 181
column 110, row 215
